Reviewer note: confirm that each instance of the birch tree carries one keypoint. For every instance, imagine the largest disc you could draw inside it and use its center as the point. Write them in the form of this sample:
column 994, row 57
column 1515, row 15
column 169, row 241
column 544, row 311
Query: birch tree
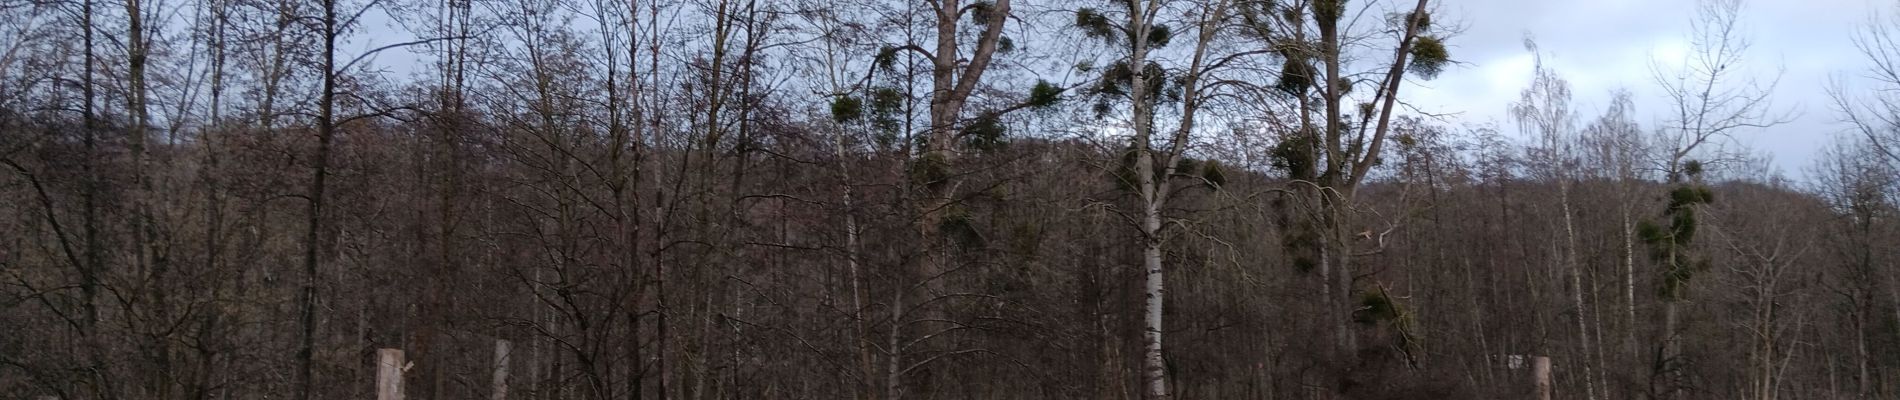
column 1155, row 162
column 1616, row 150
column 1543, row 112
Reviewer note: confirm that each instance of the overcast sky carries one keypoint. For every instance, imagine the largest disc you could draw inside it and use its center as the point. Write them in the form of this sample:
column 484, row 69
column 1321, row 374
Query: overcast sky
column 1603, row 45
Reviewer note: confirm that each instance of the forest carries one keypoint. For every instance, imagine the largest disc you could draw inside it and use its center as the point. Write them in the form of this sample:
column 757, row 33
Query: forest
column 917, row 199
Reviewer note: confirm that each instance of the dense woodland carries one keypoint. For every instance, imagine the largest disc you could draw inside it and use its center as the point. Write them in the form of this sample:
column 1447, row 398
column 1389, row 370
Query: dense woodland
column 883, row 199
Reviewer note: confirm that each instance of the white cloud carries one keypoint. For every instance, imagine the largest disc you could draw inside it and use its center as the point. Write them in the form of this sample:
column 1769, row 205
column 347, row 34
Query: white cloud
column 1600, row 46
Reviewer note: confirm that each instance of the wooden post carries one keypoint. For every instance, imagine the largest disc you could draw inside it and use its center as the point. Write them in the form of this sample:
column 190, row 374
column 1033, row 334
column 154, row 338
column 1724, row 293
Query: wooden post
column 501, row 370
column 389, row 367
column 1540, row 370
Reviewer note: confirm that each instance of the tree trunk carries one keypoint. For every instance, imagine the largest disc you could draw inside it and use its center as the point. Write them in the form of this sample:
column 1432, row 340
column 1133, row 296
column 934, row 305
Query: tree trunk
column 1669, row 365
column 1864, row 387
column 93, row 270
column 1342, row 280
column 862, row 339
column 499, row 383
column 1629, row 284
column 326, row 132
column 1576, row 293
column 1154, row 367
column 1154, row 373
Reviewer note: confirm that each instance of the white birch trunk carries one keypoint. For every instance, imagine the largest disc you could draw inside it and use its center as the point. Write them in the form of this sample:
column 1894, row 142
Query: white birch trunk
column 1629, row 284
column 1153, row 193
column 1154, row 367
column 1576, row 293
column 500, row 380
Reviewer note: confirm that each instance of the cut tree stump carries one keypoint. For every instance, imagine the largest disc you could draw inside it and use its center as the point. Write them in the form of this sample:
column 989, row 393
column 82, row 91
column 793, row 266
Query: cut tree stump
column 1540, row 370
column 389, row 367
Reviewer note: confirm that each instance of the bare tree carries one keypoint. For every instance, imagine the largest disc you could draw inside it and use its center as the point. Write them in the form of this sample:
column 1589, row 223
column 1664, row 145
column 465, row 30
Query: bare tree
column 1709, row 101
column 331, row 26
column 1158, row 170
column 1710, row 104
column 1341, row 153
column 1872, row 113
column 1771, row 284
column 1543, row 111
column 1857, row 182
column 1615, row 149
column 726, row 199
